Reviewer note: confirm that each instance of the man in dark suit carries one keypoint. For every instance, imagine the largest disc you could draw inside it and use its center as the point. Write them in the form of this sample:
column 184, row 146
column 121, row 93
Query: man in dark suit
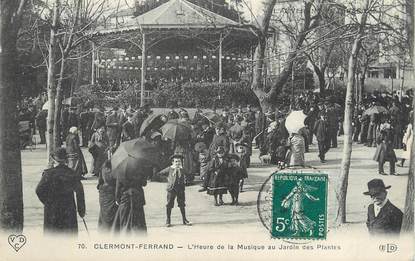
column 56, row 191
column 321, row 131
column 84, row 118
column 41, row 125
column 127, row 129
column 175, row 187
column 383, row 218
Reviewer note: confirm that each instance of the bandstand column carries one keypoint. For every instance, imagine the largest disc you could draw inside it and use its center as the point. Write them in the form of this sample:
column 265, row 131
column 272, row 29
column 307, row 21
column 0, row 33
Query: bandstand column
column 220, row 58
column 143, row 69
column 93, row 64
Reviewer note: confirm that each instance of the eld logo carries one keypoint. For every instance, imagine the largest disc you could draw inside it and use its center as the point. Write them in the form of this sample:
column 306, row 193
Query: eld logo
column 17, row 241
column 388, row 248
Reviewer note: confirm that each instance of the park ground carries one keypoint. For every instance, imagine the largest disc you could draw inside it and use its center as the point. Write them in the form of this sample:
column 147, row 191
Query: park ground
column 200, row 209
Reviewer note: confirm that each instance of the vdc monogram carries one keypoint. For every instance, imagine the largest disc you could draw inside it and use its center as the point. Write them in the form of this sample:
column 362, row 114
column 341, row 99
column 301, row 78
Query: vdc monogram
column 17, row 241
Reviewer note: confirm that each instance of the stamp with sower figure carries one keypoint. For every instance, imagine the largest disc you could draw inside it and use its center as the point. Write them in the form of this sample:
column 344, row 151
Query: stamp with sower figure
column 299, row 205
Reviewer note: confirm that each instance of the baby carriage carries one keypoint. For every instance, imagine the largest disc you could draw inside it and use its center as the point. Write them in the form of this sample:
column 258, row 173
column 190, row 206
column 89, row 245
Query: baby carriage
column 26, row 135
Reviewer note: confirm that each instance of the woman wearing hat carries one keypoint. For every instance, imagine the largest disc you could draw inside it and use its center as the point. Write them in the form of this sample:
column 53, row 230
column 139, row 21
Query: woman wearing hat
column 382, row 216
column 56, row 191
column 76, row 159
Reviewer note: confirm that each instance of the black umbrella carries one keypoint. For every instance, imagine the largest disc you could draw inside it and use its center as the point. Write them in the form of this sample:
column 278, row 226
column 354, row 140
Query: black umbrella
column 134, row 159
column 153, row 121
column 176, row 130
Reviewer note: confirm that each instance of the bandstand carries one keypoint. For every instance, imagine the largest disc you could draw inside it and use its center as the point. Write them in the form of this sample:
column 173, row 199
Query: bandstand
column 177, row 41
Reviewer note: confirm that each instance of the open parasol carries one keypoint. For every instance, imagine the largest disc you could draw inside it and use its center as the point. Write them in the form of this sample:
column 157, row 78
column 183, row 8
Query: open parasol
column 377, row 109
column 134, row 158
column 295, row 121
column 176, row 130
column 45, row 106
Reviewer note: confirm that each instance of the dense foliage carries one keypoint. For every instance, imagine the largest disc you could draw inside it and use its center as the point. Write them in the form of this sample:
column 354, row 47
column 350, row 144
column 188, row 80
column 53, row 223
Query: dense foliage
column 205, row 95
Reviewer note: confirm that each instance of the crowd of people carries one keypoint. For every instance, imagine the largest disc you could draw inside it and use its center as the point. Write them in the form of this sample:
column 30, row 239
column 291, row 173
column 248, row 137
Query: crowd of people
column 217, row 148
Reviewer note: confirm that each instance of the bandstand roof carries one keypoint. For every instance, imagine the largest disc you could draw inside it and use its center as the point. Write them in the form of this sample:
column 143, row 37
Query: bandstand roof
column 174, row 14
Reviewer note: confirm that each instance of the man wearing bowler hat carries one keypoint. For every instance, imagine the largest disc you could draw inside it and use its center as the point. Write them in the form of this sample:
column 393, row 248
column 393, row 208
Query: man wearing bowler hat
column 56, row 191
column 176, row 175
column 383, row 218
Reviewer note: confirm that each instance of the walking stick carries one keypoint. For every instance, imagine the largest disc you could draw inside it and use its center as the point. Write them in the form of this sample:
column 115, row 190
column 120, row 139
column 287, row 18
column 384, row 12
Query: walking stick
column 86, row 227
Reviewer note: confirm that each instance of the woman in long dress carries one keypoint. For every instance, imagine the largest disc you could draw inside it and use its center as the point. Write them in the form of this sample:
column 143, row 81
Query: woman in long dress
column 76, row 159
column 300, row 223
column 297, row 150
column 129, row 195
column 108, row 207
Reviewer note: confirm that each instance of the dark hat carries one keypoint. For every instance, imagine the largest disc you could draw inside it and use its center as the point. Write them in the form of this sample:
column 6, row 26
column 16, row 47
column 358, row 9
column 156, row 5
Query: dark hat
column 220, row 125
column 176, row 156
column 279, row 115
column 60, row 155
column 220, row 149
column 234, row 156
column 375, row 186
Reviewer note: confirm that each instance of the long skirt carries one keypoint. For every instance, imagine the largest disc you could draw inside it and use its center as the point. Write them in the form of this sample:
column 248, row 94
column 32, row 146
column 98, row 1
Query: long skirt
column 130, row 217
column 217, row 184
column 77, row 163
column 108, row 208
column 301, row 223
column 98, row 160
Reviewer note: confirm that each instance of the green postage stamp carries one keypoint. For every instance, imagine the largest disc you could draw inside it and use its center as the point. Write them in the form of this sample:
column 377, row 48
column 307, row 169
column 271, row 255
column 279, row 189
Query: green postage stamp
column 299, row 207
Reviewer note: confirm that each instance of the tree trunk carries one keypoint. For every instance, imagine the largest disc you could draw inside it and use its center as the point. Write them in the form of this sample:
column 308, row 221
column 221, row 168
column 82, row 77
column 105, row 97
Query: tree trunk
column 257, row 73
column 51, row 82
column 341, row 190
column 11, row 194
column 58, row 107
column 321, row 79
column 408, row 216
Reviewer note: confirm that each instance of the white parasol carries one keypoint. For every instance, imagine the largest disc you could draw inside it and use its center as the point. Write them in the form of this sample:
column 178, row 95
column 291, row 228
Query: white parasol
column 295, row 121
column 45, row 106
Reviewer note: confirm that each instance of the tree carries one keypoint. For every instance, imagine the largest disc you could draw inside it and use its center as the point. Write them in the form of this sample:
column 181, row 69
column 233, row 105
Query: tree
column 11, row 194
column 79, row 16
column 311, row 12
column 51, row 80
column 341, row 190
column 408, row 217
column 326, row 48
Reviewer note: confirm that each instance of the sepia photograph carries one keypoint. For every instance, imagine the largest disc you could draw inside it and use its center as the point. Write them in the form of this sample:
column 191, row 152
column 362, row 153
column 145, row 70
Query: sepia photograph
column 207, row 130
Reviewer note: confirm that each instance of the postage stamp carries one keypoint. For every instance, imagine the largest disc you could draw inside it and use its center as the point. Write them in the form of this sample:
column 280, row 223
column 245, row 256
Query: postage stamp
column 299, row 205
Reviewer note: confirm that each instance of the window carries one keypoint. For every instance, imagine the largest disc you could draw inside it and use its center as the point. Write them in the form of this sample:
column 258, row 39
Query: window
column 390, row 73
